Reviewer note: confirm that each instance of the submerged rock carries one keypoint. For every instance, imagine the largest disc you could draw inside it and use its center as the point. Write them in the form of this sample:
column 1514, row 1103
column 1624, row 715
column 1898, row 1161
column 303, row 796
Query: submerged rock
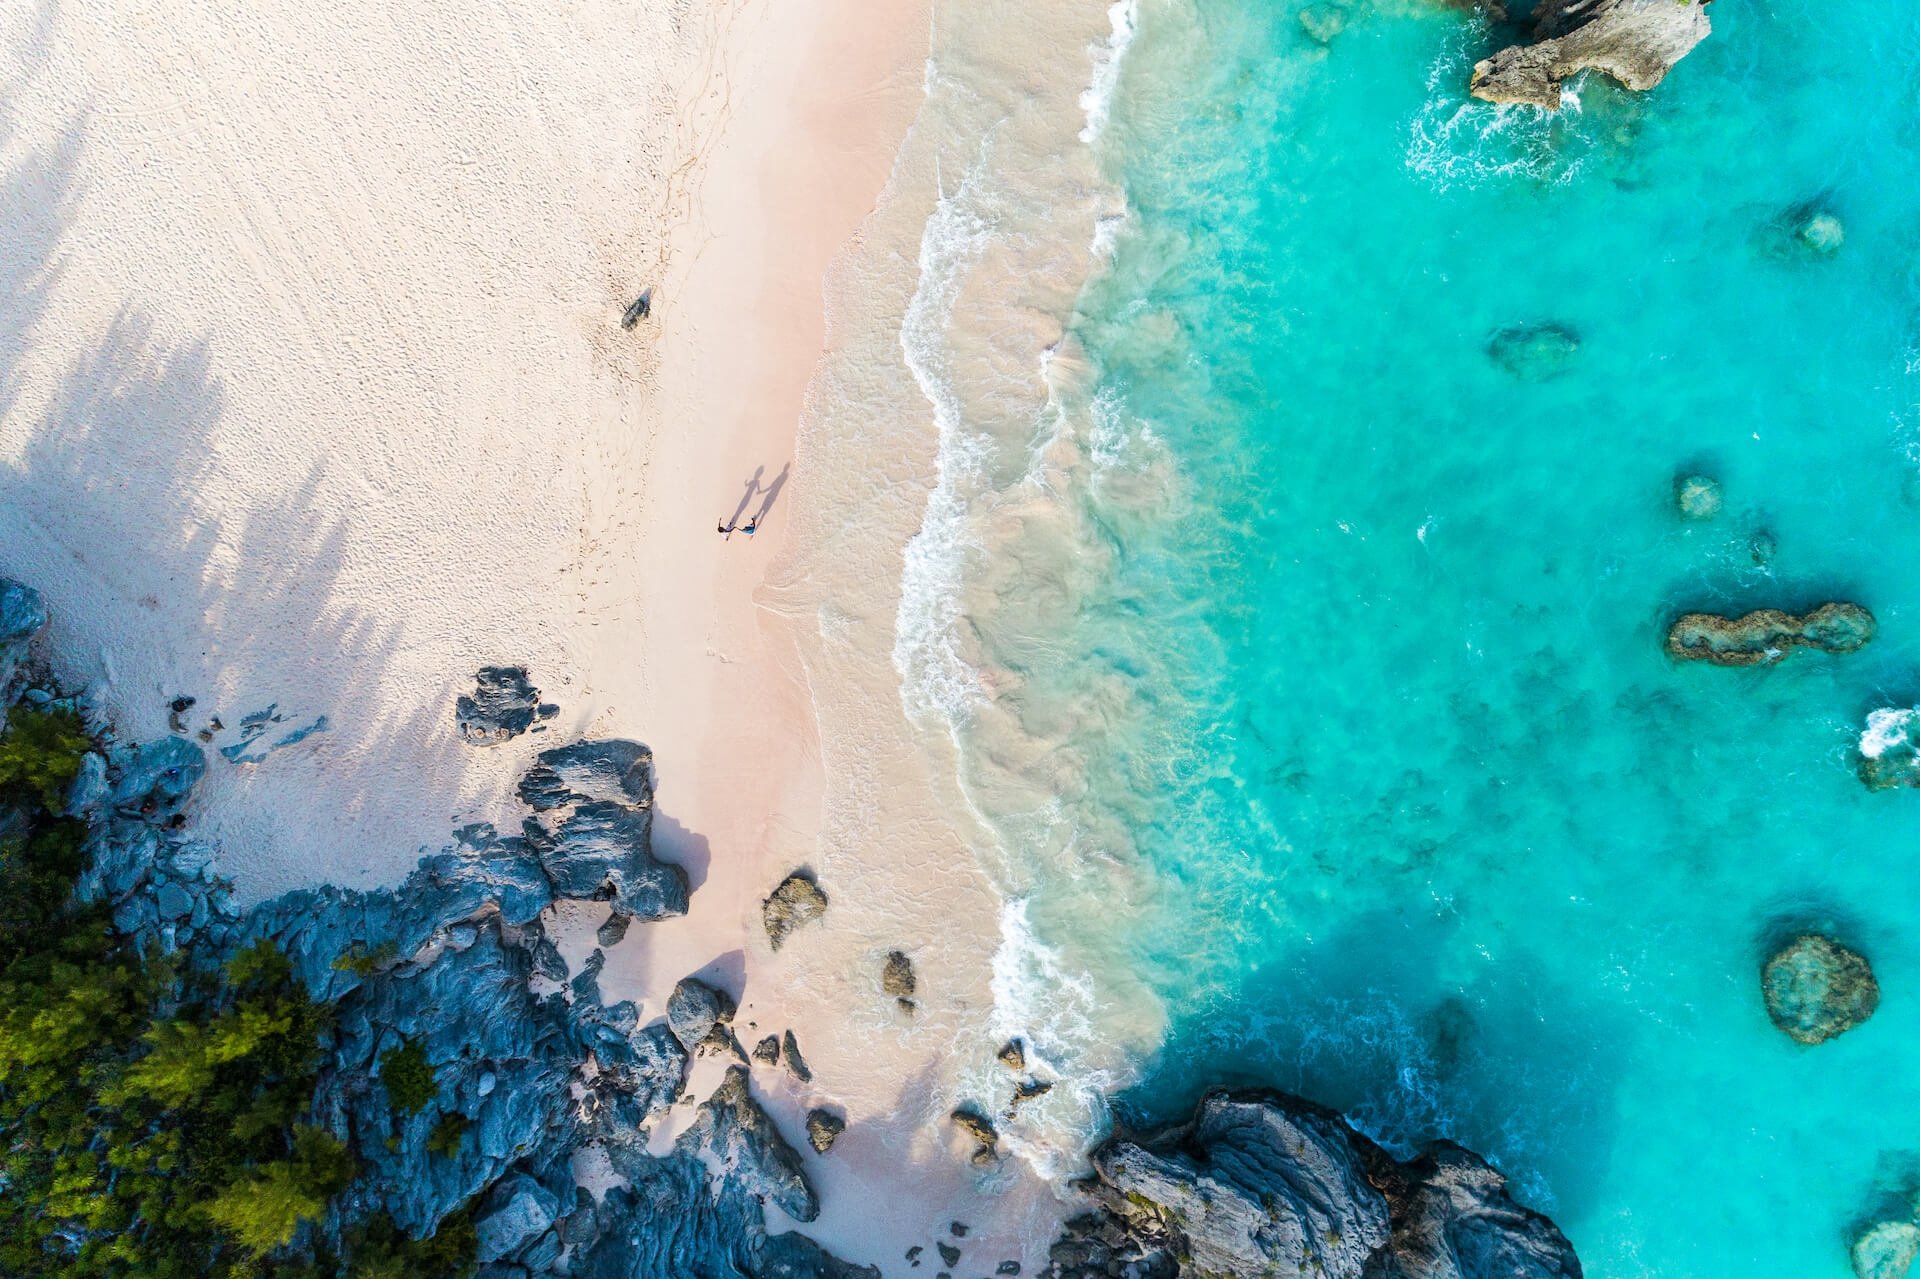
column 1696, row 497
column 1634, row 41
column 1534, row 352
column 735, row 1132
column 503, row 705
column 1818, row 230
column 1267, row 1184
column 1816, row 988
column 1766, row 635
column 1886, row 1250
column 798, row 900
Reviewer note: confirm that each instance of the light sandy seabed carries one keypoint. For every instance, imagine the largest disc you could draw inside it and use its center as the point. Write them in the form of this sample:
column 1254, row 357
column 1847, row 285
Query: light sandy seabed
column 313, row 396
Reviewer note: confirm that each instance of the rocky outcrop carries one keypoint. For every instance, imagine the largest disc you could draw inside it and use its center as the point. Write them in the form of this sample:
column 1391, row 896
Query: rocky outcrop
column 1267, row 1184
column 1634, row 41
column 1766, row 635
column 980, row 1131
column 734, row 1132
column 1889, row 752
column 592, row 828
column 1816, row 988
column 503, row 705
column 897, row 979
column 798, row 900
column 695, row 1011
column 1886, row 1250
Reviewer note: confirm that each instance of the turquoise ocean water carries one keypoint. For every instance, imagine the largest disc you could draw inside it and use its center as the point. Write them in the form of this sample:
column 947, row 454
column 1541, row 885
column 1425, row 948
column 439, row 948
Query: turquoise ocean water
column 1383, row 790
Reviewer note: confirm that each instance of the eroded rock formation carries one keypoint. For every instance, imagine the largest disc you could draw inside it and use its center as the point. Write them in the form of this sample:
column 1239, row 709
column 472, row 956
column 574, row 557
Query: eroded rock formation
column 1267, row 1184
column 1766, row 635
column 1634, row 41
column 1816, row 988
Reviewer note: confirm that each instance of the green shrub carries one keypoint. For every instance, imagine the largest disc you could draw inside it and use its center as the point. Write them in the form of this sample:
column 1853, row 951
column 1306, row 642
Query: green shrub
column 40, row 754
column 408, row 1077
column 444, row 1140
column 359, row 960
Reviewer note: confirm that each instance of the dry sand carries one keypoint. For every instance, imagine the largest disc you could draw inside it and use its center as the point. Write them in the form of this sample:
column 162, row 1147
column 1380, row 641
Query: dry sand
column 314, row 397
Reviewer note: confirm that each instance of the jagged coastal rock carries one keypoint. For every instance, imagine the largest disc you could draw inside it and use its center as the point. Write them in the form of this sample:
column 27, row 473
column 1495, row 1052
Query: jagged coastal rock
column 592, row 828
column 980, row 1131
column 1634, row 41
column 897, row 979
column 503, row 705
column 1267, row 1184
column 798, row 900
column 1817, row 989
column 733, row 1131
column 1766, row 635
column 824, row 1128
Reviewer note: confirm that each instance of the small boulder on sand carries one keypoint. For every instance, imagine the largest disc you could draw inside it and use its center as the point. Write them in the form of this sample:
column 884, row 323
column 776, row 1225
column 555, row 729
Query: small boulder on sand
column 1817, row 989
column 823, row 1126
column 897, row 979
column 798, row 900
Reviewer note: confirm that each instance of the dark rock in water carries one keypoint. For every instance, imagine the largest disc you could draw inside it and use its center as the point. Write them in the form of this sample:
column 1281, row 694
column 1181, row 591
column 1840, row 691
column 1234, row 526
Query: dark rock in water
column 1761, row 548
column 767, row 1051
column 1886, row 1250
column 639, row 309
column 733, row 1131
column 958, row 1229
column 1634, row 41
column 1013, row 1056
column 614, row 772
column 1027, row 1089
column 1007, row 1268
column 949, row 1255
column 896, row 975
column 798, row 900
column 823, row 1127
column 503, row 706
column 1696, row 497
column 796, row 1064
column 1766, row 635
column 695, row 1009
column 1266, row 1184
column 1890, row 748
column 1534, row 352
column 1816, row 988
column 986, row 1138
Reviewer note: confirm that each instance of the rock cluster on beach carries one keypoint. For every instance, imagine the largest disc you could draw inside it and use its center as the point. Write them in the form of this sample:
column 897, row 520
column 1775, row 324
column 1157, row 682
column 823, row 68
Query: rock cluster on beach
column 1634, row 41
column 1816, row 988
column 528, row 1063
column 1767, row 635
column 1267, row 1184
column 503, row 705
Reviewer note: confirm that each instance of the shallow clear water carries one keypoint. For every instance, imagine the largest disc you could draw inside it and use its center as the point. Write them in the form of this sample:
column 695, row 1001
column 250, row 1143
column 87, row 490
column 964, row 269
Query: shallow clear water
column 1324, row 713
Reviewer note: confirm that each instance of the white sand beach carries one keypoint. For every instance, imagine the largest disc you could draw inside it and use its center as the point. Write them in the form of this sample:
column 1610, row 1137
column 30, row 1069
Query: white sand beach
column 315, row 397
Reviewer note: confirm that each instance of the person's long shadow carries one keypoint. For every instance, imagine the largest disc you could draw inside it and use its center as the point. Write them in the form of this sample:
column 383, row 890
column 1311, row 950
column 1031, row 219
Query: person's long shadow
column 752, row 487
column 772, row 491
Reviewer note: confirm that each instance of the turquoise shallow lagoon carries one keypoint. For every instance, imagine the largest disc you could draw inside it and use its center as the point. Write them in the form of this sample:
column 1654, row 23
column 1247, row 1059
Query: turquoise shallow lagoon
column 1418, row 818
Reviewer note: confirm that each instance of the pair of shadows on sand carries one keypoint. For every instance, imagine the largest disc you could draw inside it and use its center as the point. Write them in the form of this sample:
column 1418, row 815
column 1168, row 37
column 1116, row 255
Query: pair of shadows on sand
column 768, row 493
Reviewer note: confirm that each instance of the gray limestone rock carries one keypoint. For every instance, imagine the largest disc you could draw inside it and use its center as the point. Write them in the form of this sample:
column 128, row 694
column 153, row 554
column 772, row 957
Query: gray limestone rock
column 516, row 1211
column 695, row 1009
column 613, row 772
column 794, row 1256
column 798, row 900
column 1816, row 988
column 736, row 1133
column 503, row 705
column 980, row 1129
column 1266, row 1184
column 155, row 779
column 1634, row 41
column 767, row 1051
column 796, row 1064
column 601, row 851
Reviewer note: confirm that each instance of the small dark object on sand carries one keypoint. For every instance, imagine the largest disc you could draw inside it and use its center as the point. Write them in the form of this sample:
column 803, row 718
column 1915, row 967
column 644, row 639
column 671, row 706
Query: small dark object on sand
column 642, row 307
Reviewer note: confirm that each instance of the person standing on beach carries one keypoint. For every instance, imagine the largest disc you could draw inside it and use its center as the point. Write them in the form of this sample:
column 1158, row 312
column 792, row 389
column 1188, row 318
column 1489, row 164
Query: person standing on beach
column 751, row 525
column 724, row 529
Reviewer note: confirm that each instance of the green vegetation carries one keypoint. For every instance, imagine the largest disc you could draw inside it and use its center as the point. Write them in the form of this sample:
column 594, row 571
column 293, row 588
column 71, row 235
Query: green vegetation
column 40, row 754
column 363, row 962
column 408, row 1077
column 444, row 1140
column 155, row 1119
